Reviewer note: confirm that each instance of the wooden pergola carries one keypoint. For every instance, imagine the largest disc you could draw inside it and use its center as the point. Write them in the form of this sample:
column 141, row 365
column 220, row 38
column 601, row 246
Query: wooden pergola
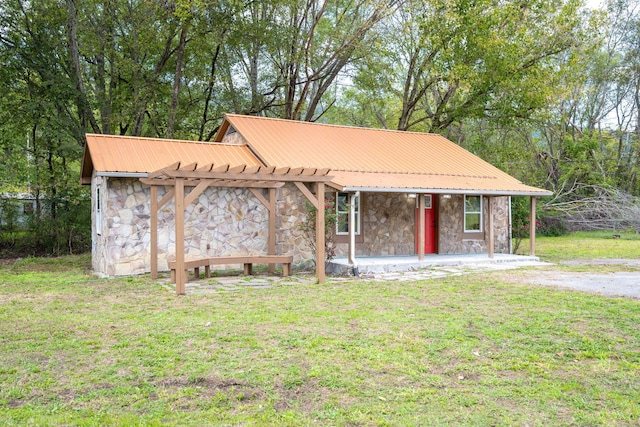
column 261, row 181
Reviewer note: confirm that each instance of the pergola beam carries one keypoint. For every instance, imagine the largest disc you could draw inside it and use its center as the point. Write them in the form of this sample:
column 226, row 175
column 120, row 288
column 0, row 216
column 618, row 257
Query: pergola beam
column 214, row 183
column 234, row 175
column 181, row 278
column 320, row 273
column 160, row 172
column 308, row 194
column 199, row 189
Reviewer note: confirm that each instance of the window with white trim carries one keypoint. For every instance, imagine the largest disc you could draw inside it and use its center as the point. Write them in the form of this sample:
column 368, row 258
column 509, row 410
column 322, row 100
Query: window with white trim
column 342, row 211
column 472, row 213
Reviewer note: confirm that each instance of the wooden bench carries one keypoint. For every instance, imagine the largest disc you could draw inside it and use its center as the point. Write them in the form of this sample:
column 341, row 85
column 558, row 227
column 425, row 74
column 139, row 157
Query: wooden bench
column 246, row 260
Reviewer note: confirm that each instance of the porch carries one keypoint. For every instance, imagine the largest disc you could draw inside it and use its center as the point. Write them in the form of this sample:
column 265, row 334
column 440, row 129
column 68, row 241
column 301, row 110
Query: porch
column 386, row 264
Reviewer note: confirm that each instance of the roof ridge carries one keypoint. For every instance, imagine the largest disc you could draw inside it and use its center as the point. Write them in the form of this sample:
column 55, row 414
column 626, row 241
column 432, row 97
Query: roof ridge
column 333, row 125
column 148, row 138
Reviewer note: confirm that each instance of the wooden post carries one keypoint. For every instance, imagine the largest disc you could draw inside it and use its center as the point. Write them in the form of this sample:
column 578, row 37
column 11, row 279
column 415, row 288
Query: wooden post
column 320, row 273
column 491, row 242
column 179, row 225
column 532, row 227
column 420, row 228
column 154, row 231
column 271, row 250
column 352, row 229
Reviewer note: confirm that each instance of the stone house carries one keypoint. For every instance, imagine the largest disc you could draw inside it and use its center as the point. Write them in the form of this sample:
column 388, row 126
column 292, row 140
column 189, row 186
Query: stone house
column 394, row 193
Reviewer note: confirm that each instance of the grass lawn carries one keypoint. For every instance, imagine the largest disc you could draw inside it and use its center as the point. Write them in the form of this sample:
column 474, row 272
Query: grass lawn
column 586, row 245
column 468, row 350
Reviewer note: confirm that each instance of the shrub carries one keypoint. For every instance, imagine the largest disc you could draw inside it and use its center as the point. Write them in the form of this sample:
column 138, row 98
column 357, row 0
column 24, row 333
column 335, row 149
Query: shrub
column 551, row 226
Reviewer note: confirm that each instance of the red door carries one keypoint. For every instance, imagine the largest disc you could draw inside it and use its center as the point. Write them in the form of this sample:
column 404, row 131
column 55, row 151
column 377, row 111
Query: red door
column 430, row 225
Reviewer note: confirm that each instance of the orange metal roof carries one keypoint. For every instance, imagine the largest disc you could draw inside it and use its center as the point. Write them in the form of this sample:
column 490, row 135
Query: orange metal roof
column 359, row 158
column 125, row 154
column 373, row 158
column 425, row 183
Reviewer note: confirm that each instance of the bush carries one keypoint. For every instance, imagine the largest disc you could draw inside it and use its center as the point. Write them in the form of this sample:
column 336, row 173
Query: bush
column 551, row 226
column 519, row 221
column 62, row 226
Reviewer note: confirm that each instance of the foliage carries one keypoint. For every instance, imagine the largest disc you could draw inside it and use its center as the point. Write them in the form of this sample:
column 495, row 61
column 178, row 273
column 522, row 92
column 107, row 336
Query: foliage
column 467, row 350
column 308, row 228
column 520, row 220
column 551, row 226
column 443, row 62
column 9, row 214
column 44, row 234
column 547, row 91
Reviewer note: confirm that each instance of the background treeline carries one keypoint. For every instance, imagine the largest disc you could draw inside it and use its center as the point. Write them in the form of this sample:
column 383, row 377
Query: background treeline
column 548, row 90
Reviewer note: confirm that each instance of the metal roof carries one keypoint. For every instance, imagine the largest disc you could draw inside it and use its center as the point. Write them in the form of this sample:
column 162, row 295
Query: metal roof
column 425, row 183
column 374, row 159
column 137, row 156
column 359, row 158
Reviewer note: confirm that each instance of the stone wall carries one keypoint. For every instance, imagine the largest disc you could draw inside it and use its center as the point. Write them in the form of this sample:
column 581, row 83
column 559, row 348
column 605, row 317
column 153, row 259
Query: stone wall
column 388, row 223
column 290, row 212
column 452, row 239
column 231, row 221
column 222, row 221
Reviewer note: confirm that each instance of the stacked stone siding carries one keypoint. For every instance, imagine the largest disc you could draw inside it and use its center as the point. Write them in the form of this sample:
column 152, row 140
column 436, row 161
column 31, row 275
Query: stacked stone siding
column 388, row 225
column 222, row 221
column 291, row 209
column 231, row 221
column 452, row 239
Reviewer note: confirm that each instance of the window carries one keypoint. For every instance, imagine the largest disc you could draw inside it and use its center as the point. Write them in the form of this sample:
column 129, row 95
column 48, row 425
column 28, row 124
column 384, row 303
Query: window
column 427, row 201
column 98, row 213
column 472, row 213
column 342, row 209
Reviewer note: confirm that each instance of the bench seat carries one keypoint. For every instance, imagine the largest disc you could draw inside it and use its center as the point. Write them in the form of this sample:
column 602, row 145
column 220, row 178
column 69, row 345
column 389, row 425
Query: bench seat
column 246, row 260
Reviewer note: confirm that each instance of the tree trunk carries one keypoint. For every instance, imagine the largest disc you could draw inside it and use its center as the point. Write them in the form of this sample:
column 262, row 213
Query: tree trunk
column 209, row 93
column 84, row 111
column 176, row 80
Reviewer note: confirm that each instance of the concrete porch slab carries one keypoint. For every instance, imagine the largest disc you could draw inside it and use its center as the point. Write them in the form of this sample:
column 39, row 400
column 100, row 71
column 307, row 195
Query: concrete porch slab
column 387, row 264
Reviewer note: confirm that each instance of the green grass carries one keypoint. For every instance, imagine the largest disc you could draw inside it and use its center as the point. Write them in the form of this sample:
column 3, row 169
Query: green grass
column 470, row 350
column 586, row 245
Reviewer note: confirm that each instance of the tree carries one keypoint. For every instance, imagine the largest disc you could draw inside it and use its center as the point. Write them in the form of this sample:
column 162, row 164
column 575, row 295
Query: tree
column 447, row 61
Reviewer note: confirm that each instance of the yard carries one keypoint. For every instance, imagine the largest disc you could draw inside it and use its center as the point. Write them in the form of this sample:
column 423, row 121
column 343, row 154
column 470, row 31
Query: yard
column 483, row 349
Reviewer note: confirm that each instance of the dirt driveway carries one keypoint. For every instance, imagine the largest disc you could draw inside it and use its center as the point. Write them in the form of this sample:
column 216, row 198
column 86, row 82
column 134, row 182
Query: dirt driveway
column 617, row 283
